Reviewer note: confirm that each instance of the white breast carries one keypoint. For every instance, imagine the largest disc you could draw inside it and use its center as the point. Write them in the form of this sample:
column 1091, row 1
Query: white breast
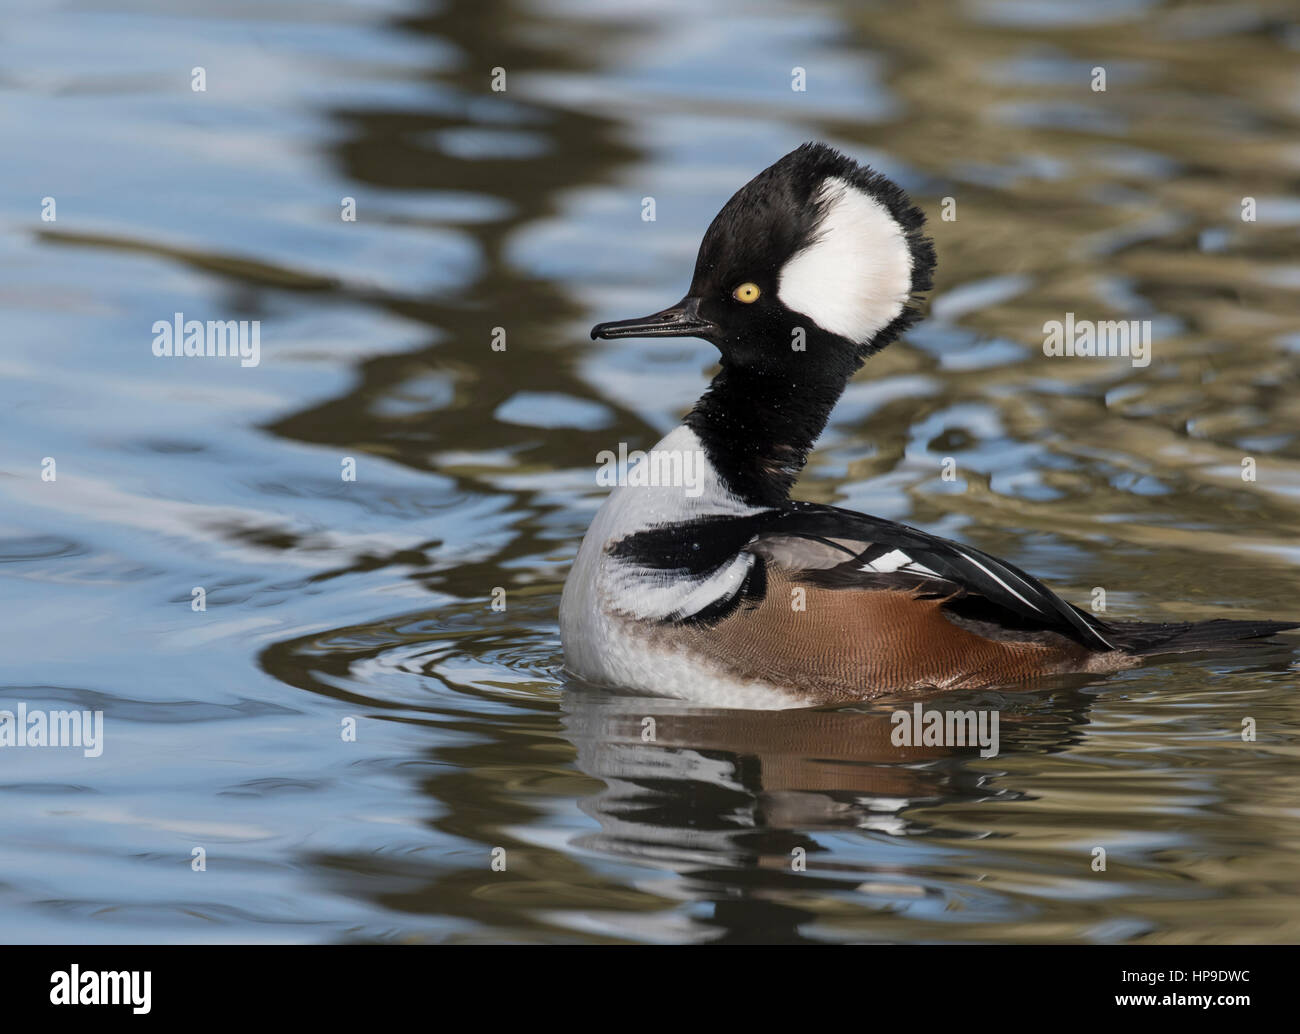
column 605, row 611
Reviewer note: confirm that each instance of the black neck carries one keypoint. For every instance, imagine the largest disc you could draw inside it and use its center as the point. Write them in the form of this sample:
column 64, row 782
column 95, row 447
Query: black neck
column 758, row 426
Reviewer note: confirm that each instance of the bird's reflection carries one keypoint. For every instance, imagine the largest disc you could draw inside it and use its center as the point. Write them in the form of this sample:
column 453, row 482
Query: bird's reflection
column 724, row 800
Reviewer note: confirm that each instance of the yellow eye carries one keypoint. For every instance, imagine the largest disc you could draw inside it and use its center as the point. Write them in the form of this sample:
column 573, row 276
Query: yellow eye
column 746, row 293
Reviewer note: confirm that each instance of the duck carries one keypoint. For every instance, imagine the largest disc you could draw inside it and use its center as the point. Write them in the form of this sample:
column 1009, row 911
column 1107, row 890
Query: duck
column 702, row 578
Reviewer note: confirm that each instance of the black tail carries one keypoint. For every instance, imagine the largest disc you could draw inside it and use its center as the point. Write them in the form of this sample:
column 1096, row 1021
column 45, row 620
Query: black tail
column 1147, row 639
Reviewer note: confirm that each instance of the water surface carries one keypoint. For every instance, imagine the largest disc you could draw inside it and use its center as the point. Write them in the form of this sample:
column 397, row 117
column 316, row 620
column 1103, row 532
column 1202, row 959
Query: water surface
column 330, row 600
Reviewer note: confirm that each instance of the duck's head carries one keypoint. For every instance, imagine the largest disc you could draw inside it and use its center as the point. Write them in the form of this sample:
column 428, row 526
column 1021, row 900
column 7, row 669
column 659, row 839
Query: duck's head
column 816, row 260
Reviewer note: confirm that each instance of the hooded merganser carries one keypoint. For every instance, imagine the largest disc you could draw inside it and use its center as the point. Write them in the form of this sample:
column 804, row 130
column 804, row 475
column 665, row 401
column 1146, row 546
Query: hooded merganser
column 725, row 591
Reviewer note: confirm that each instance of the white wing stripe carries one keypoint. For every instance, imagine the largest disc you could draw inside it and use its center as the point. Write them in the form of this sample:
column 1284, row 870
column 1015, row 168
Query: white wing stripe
column 1004, row 585
column 896, row 560
column 889, row 562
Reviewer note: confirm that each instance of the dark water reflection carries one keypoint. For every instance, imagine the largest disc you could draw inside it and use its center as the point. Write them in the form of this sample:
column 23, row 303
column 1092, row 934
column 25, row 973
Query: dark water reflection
column 369, row 600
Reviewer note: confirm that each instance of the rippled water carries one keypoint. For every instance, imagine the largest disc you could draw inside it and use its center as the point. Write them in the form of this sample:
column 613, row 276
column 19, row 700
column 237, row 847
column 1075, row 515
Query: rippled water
column 330, row 600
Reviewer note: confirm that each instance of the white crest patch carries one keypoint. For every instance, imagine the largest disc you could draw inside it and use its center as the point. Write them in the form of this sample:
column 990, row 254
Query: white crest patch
column 855, row 278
